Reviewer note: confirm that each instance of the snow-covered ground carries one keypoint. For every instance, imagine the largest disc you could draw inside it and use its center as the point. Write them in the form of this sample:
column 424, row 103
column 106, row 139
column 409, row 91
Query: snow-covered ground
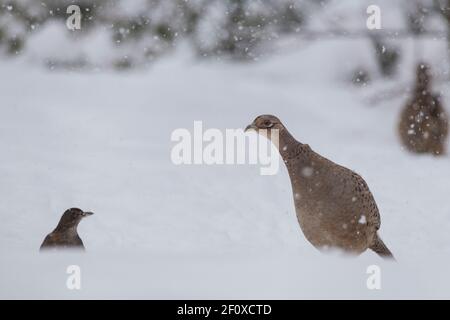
column 101, row 141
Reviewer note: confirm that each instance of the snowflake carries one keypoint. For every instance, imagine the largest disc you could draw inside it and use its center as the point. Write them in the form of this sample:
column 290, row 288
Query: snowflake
column 362, row 220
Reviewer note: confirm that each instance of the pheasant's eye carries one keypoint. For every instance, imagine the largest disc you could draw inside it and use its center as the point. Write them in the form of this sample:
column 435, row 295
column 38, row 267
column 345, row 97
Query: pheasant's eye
column 268, row 124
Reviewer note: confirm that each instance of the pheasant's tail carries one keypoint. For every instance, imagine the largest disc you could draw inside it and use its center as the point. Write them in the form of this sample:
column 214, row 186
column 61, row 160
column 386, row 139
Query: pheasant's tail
column 381, row 249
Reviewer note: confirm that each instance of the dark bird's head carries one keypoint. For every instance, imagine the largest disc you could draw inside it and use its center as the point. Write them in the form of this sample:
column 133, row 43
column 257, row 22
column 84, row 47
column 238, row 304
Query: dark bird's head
column 72, row 217
column 264, row 124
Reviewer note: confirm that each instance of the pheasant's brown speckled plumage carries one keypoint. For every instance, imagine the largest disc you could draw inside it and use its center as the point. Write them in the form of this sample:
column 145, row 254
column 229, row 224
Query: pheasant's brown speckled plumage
column 334, row 206
column 423, row 125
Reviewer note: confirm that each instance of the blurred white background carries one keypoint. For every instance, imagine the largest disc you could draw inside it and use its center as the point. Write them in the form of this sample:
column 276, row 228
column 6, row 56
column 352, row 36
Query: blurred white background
column 86, row 118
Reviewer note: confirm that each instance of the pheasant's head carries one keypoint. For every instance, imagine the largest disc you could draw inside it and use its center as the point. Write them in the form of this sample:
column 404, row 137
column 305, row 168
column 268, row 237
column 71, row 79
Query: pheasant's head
column 423, row 74
column 266, row 125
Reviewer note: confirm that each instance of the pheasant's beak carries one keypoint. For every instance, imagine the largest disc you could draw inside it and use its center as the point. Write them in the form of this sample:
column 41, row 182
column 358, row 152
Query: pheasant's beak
column 250, row 127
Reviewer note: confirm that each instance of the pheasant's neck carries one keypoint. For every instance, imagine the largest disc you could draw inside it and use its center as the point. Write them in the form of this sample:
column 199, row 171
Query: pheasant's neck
column 422, row 89
column 424, row 98
column 289, row 147
column 297, row 157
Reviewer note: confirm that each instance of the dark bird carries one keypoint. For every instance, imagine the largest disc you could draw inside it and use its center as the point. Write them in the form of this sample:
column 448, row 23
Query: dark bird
column 334, row 206
column 65, row 236
column 423, row 125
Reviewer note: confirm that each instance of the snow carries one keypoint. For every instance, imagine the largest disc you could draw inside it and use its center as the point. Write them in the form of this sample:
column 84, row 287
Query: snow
column 307, row 172
column 362, row 220
column 54, row 43
column 101, row 141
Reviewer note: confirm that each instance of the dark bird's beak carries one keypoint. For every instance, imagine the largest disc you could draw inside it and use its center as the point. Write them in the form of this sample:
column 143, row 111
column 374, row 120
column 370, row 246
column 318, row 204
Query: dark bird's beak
column 87, row 214
column 250, row 127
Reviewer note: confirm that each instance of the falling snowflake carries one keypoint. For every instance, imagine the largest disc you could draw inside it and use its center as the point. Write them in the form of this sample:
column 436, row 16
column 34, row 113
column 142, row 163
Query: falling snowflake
column 307, row 172
column 362, row 220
